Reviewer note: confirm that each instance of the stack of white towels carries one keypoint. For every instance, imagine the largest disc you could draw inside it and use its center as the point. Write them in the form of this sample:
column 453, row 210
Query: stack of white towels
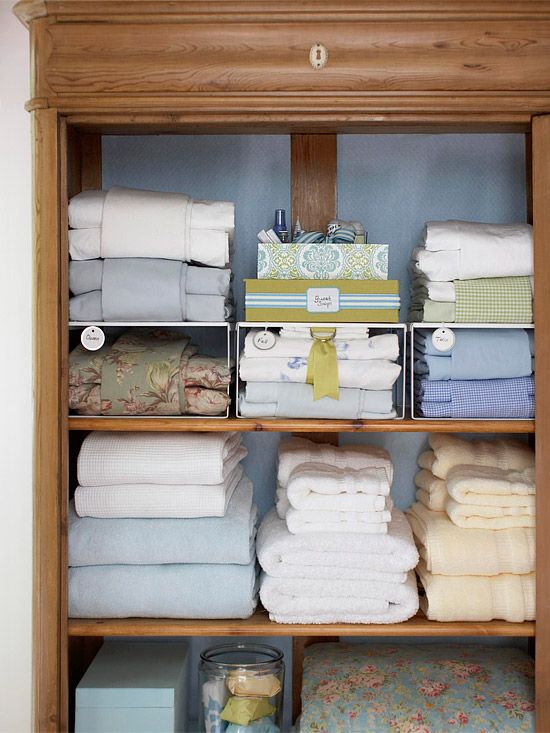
column 274, row 369
column 162, row 525
column 129, row 248
column 474, row 525
column 335, row 550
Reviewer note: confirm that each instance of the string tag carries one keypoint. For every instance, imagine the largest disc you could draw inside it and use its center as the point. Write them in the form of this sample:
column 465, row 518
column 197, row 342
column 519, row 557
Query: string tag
column 92, row 338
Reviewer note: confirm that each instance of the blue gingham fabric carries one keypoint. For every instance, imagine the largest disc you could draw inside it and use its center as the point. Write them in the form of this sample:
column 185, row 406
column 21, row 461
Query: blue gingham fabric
column 482, row 398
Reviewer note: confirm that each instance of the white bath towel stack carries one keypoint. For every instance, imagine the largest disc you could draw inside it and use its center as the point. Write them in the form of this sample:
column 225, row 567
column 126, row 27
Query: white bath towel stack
column 275, row 372
column 335, row 549
column 474, row 525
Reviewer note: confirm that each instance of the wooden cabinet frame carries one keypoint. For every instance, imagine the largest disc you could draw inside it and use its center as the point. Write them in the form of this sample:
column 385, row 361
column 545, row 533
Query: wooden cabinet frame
column 406, row 65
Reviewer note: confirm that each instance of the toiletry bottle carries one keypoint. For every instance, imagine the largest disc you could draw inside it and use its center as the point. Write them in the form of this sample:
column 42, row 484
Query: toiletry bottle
column 280, row 225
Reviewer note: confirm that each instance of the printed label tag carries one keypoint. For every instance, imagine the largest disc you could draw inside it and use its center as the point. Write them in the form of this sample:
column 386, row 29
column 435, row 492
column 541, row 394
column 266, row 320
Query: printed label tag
column 264, row 340
column 323, row 300
column 92, row 338
column 443, row 339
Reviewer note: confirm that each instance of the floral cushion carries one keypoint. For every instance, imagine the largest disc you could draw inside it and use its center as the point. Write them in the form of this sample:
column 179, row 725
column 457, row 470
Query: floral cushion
column 428, row 688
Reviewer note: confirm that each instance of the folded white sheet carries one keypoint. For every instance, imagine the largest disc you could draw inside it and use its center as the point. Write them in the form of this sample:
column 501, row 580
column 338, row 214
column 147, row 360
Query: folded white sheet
column 490, row 486
column 476, row 598
column 450, row 550
column 304, row 521
column 158, row 458
column 474, row 516
column 443, row 292
column 385, row 346
column 86, row 209
column 322, row 487
column 182, row 501
column 371, row 374
column 343, row 333
column 274, row 409
column 294, row 451
column 282, row 553
column 450, row 451
column 85, row 244
column 322, row 601
column 477, row 238
column 432, row 491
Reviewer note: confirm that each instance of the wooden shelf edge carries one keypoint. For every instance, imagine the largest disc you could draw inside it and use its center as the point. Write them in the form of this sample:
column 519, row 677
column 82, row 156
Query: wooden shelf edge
column 284, row 425
column 260, row 625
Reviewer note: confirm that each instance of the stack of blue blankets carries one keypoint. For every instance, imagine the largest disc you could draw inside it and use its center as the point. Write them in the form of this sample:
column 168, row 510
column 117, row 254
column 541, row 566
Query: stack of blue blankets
column 488, row 373
column 152, row 535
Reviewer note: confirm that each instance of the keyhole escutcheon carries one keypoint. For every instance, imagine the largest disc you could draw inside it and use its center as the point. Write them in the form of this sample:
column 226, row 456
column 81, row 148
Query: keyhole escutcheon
column 318, row 56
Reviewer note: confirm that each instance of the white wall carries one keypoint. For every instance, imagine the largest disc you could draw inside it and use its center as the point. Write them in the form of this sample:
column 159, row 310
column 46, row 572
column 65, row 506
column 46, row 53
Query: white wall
column 15, row 377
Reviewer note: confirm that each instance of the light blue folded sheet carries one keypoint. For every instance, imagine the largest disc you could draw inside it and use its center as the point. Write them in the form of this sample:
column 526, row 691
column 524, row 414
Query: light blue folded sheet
column 163, row 591
column 477, row 354
column 222, row 540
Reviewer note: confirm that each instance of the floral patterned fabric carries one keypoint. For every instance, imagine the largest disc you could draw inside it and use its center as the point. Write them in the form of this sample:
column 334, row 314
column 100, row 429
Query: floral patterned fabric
column 326, row 261
column 147, row 372
column 434, row 688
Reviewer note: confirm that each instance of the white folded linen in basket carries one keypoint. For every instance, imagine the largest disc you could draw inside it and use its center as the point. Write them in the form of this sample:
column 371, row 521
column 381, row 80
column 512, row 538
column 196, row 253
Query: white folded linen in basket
column 372, row 374
column 322, row 601
column 385, row 346
column 294, row 451
column 182, row 501
column 158, row 458
column 343, row 333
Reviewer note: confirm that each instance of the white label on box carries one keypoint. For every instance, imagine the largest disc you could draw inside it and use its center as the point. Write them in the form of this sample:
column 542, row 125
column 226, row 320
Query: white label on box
column 443, row 339
column 323, row 300
column 92, row 338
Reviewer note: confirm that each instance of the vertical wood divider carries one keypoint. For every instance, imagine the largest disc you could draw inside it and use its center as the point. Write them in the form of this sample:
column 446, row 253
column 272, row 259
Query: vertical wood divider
column 541, row 221
column 314, row 200
column 48, row 644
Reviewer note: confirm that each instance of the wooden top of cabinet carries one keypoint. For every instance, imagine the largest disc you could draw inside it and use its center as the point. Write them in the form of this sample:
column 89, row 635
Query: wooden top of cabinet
column 216, row 62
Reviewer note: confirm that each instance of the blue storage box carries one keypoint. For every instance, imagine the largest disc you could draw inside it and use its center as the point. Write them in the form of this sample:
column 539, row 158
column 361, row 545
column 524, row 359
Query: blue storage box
column 134, row 687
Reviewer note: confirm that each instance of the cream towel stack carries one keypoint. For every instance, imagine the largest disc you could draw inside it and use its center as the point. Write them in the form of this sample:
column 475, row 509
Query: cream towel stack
column 474, row 527
column 335, row 549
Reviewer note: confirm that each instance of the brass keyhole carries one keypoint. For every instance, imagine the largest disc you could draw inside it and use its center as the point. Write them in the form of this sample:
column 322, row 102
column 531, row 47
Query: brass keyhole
column 318, row 54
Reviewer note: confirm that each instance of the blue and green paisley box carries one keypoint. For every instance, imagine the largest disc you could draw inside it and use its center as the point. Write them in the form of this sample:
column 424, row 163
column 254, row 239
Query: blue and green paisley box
column 342, row 301
column 326, row 261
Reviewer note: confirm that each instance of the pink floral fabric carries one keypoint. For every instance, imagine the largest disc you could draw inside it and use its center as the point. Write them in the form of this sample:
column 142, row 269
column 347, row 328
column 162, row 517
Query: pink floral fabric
column 433, row 688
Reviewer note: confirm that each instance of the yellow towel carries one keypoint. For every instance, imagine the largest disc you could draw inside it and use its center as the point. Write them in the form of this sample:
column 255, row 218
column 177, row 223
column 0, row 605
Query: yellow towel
column 470, row 516
column 432, row 491
column 451, row 451
column 489, row 486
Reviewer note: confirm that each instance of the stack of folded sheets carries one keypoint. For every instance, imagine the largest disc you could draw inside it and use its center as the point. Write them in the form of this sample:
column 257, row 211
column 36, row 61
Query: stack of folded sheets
column 276, row 377
column 470, row 272
column 474, row 525
column 162, row 525
column 129, row 248
column 488, row 373
column 335, row 549
column 147, row 372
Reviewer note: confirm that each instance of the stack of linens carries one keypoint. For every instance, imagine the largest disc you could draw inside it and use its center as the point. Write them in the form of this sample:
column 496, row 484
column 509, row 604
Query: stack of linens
column 474, row 526
column 162, row 525
column 148, row 372
column 335, row 549
column 488, row 373
column 129, row 248
column 276, row 377
column 470, row 272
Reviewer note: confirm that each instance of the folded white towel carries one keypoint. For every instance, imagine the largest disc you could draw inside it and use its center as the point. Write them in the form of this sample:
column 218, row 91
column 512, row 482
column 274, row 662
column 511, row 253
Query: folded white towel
column 182, row 501
column 385, row 346
column 343, row 333
column 432, row 491
column 490, row 486
column 450, row 550
column 372, row 374
column 158, row 458
column 303, row 521
column 85, row 244
column 450, row 451
column 282, row 553
column 294, row 451
column 476, row 598
column 474, row 516
column 322, row 601
column 322, row 487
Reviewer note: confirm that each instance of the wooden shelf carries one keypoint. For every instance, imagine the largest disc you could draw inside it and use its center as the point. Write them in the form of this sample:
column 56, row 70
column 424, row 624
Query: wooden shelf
column 260, row 625
column 284, row 425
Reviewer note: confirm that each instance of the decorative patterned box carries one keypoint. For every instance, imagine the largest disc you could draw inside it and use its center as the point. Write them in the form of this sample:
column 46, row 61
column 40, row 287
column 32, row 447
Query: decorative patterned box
column 325, row 261
column 344, row 301
column 134, row 687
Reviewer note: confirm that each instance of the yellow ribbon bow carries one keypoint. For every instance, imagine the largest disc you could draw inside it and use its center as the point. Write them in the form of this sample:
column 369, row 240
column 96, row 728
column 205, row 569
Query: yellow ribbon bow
column 322, row 364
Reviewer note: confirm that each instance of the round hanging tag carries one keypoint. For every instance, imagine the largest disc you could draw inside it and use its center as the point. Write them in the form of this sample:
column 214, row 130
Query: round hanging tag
column 443, row 339
column 264, row 340
column 92, row 338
